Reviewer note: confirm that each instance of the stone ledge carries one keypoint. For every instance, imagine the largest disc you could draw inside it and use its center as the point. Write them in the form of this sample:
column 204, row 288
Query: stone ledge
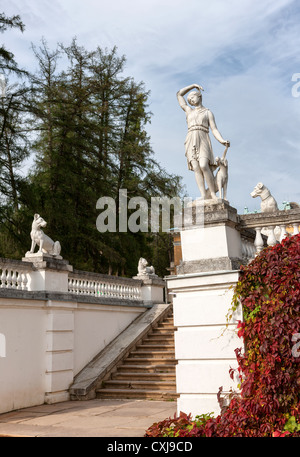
column 279, row 217
column 150, row 280
column 107, row 278
column 207, row 265
column 68, row 297
column 44, row 261
column 214, row 213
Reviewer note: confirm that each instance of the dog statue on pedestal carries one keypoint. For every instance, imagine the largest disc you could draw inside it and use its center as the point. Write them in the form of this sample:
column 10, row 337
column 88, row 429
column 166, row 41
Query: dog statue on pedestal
column 38, row 237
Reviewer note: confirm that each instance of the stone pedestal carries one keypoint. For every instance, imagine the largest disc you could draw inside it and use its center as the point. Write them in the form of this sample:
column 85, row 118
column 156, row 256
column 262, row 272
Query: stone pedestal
column 210, row 241
column 202, row 292
column 152, row 288
column 50, row 273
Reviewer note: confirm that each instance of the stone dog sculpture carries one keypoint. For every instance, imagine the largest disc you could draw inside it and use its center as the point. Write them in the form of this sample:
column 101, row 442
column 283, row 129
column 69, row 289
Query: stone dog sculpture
column 38, row 237
column 268, row 202
column 221, row 178
column 143, row 268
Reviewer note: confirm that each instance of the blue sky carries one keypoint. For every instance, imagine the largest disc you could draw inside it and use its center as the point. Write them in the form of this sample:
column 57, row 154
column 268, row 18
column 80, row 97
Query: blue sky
column 243, row 52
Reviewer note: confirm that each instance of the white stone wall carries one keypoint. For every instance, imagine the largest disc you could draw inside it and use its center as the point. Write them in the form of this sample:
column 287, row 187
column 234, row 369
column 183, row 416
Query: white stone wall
column 204, row 342
column 47, row 342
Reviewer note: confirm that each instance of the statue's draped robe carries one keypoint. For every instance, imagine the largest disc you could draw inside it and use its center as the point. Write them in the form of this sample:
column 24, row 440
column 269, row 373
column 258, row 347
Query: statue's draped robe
column 197, row 143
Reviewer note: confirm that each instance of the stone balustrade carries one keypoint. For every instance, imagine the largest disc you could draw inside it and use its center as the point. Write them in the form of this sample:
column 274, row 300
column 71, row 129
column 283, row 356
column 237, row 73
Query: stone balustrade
column 14, row 274
column 271, row 228
column 248, row 250
column 100, row 285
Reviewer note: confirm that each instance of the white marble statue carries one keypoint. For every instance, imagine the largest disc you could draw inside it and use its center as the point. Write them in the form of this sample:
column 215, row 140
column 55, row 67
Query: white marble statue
column 268, row 202
column 198, row 148
column 38, row 237
column 144, row 269
column 221, row 178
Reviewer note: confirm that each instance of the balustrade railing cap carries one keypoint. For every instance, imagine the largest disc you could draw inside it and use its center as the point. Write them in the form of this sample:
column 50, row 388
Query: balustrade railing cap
column 44, row 261
column 15, row 264
column 87, row 275
column 279, row 217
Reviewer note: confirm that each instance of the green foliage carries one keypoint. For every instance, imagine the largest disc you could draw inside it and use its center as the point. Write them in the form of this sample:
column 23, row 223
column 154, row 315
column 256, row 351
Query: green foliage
column 7, row 62
column 85, row 124
column 179, row 426
column 292, row 425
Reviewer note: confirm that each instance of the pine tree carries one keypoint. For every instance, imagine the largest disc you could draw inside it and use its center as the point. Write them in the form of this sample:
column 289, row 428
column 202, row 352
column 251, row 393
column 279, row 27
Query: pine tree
column 13, row 145
column 88, row 132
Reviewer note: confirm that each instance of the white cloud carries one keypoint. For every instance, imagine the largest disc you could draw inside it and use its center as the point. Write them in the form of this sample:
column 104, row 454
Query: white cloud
column 243, row 53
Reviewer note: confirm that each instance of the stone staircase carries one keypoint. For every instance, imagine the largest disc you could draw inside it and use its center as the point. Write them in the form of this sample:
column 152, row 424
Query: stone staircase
column 148, row 372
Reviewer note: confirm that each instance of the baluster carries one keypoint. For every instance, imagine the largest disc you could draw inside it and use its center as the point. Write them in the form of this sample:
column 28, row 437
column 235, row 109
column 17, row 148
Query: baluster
column 125, row 291
column 92, row 288
column 19, row 281
column 3, row 279
column 247, row 250
column 271, row 237
column 73, row 285
column 129, row 292
column 89, row 288
column 119, row 290
column 116, row 290
column 296, row 229
column 283, row 232
column 244, row 250
column 8, row 279
column 14, row 280
column 258, row 243
column 97, row 289
column 24, row 280
column 101, row 289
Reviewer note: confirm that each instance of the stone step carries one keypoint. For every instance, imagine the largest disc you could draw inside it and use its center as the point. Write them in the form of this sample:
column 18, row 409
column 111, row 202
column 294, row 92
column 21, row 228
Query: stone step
column 149, row 371
column 163, row 331
column 150, row 353
column 139, row 368
column 158, row 337
column 159, row 341
column 150, row 360
column 150, row 376
column 156, row 347
column 136, row 393
column 163, row 328
column 140, row 384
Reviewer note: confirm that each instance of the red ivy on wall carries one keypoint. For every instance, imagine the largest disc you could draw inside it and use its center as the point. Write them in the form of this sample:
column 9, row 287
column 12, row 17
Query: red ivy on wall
column 269, row 367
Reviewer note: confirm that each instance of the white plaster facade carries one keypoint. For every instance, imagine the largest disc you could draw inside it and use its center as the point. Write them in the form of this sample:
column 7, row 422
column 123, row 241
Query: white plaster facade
column 204, row 341
column 54, row 321
column 48, row 342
